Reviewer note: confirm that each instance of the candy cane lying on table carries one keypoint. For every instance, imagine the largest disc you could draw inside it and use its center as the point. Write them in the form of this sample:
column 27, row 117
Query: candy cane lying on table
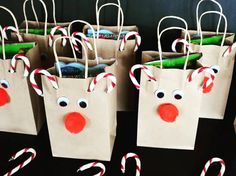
column 51, row 78
column 7, row 28
column 127, row 36
column 23, row 164
column 51, row 35
column 229, row 50
column 210, row 162
column 94, row 164
column 85, row 39
column 24, row 59
column 183, row 41
column 138, row 162
column 145, row 69
column 101, row 76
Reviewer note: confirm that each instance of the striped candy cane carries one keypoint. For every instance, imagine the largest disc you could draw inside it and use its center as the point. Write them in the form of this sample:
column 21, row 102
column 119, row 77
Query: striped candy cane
column 24, row 59
column 210, row 162
column 51, row 78
column 229, row 50
column 23, row 164
column 7, row 28
column 51, row 35
column 183, row 41
column 85, row 39
column 138, row 163
column 145, row 69
column 127, row 36
column 110, row 76
column 94, row 164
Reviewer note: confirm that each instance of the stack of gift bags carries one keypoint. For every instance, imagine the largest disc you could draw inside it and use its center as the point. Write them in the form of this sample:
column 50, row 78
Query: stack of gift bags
column 78, row 80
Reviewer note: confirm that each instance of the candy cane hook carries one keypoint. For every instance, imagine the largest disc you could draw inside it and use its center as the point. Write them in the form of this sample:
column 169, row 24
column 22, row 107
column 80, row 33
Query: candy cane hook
column 7, row 28
column 85, row 39
column 138, row 162
column 51, row 35
column 51, row 78
column 94, row 164
column 23, row 164
column 24, row 59
column 127, row 36
column 145, row 69
column 109, row 76
column 210, row 162
column 183, row 41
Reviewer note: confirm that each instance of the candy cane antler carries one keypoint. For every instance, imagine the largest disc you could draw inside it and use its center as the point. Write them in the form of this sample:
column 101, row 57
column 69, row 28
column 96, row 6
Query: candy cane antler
column 47, row 74
column 127, row 36
column 229, row 50
column 23, row 164
column 5, row 29
column 183, row 41
column 145, row 69
column 24, row 59
column 85, row 39
column 51, row 35
column 210, row 162
column 138, row 162
column 101, row 76
column 94, row 164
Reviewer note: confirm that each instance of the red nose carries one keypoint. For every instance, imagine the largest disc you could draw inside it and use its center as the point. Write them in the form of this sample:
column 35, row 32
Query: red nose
column 168, row 112
column 4, row 97
column 74, row 122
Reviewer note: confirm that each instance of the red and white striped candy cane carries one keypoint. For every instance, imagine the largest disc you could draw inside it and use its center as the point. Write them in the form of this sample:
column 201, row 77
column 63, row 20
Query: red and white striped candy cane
column 210, row 162
column 94, row 164
column 23, row 164
column 127, row 36
column 85, row 39
column 138, row 162
column 51, row 35
column 145, row 69
column 183, row 41
column 229, row 50
column 24, row 59
column 110, row 76
column 51, row 78
column 7, row 28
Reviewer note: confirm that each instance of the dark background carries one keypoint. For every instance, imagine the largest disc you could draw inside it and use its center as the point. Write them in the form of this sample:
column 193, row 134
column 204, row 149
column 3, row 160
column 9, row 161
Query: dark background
column 215, row 138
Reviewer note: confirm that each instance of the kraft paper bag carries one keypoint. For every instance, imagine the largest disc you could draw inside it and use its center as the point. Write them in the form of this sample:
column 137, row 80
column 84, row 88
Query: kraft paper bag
column 109, row 48
column 90, row 132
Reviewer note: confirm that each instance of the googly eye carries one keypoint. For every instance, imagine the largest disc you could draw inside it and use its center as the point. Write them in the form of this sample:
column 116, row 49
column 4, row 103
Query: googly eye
column 160, row 93
column 5, row 84
column 63, row 101
column 83, row 103
column 178, row 94
column 215, row 68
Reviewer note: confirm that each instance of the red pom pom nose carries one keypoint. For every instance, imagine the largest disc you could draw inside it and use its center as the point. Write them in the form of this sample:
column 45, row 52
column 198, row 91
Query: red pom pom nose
column 74, row 122
column 4, row 97
column 168, row 112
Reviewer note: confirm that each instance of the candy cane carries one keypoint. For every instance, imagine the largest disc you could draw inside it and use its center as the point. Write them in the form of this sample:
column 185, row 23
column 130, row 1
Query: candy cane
column 51, row 35
column 47, row 74
column 179, row 40
column 210, row 162
column 229, row 50
column 23, row 164
column 101, row 76
column 85, row 39
column 145, row 69
column 5, row 29
column 94, row 164
column 138, row 163
column 24, row 59
column 127, row 36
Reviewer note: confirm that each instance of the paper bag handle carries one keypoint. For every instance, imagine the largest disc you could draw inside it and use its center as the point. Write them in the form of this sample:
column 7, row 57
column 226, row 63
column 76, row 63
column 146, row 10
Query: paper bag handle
column 197, row 15
column 210, row 162
column 26, row 19
column 3, row 44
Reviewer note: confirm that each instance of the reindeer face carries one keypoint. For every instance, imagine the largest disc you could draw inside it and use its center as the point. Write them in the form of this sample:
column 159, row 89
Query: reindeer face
column 4, row 97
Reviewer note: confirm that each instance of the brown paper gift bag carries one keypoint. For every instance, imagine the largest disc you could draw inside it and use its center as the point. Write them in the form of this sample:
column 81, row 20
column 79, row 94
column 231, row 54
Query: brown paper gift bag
column 213, row 106
column 21, row 110
column 81, row 120
column 109, row 48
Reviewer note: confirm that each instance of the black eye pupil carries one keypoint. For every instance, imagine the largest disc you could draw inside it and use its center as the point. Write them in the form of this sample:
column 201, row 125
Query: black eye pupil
column 83, row 104
column 63, row 104
column 4, row 85
column 178, row 97
column 160, row 95
column 215, row 70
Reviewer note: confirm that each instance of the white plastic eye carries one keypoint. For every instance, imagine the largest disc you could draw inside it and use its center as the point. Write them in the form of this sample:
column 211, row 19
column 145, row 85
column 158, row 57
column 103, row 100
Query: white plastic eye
column 83, row 103
column 63, row 101
column 160, row 93
column 215, row 68
column 178, row 94
column 5, row 84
